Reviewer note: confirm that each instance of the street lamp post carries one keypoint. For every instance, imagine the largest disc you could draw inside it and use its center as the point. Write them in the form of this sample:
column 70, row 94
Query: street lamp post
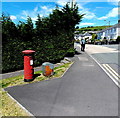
column 108, row 22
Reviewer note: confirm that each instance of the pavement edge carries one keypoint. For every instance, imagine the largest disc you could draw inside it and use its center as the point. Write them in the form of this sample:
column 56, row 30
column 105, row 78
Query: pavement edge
column 31, row 115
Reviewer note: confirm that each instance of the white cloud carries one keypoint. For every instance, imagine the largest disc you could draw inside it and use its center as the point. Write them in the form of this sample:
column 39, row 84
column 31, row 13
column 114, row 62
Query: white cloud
column 100, row 7
column 80, row 6
column 25, row 13
column 86, row 11
column 36, row 9
column 102, row 18
column 82, row 10
column 114, row 2
column 33, row 14
column 112, row 13
column 88, row 24
column 46, row 9
column 34, row 18
column 13, row 17
column 62, row 2
column 41, row 10
column 22, row 17
column 88, row 14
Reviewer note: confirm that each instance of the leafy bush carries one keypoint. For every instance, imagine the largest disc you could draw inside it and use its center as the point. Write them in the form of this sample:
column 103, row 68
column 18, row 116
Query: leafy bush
column 94, row 37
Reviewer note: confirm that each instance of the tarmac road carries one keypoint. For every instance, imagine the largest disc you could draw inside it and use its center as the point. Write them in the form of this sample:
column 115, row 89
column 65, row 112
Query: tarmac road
column 108, row 57
column 84, row 90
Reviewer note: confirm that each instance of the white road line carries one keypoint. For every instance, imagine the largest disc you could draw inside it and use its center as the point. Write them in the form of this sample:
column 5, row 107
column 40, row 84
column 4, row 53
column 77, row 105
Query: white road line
column 19, row 104
column 113, row 71
column 115, row 77
column 105, row 71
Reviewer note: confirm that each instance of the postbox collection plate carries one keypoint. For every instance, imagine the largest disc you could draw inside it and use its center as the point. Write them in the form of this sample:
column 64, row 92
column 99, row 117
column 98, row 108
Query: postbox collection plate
column 31, row 62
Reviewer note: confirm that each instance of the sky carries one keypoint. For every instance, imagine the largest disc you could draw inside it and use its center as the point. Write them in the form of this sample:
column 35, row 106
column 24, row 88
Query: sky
column 97, row 13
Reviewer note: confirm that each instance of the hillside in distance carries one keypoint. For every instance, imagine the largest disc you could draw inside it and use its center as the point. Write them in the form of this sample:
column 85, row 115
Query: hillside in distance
column 91, row 28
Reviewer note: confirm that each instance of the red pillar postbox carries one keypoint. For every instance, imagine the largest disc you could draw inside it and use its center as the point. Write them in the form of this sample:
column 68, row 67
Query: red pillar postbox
column 28, row 65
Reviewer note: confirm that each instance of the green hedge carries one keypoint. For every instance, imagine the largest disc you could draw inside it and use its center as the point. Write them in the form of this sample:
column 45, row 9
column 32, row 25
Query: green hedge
column 45, row 51
column 51, row 37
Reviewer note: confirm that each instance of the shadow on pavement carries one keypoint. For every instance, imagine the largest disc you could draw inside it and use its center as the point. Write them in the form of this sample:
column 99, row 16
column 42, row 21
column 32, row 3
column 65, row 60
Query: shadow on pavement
column 36, row 75
column 77, row 53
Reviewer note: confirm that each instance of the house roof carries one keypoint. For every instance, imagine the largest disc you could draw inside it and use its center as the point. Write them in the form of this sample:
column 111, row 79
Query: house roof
column 114, row 26
column 87, row 34
column 93, row 32
column 82, row 35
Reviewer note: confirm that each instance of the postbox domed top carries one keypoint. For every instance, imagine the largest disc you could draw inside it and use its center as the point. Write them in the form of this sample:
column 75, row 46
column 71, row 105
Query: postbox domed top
column 28, row 51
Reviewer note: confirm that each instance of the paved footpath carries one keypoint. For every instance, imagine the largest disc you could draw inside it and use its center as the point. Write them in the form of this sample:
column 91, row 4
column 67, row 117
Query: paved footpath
column 84, row 90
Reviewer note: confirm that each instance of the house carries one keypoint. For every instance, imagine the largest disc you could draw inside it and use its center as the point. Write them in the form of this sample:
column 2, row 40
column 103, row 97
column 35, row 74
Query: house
column 109, row 33
column 78, row 36
column 85, row 36
column 93, row 32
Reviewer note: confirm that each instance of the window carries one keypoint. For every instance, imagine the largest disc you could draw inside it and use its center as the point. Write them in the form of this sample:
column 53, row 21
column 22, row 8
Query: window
column 114, row 29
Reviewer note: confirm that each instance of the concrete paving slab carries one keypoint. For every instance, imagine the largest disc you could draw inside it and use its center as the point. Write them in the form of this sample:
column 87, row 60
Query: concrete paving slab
column 84, row 90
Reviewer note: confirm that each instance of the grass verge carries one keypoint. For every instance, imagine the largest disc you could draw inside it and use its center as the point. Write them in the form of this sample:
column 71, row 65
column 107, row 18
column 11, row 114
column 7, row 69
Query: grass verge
column 8, row 106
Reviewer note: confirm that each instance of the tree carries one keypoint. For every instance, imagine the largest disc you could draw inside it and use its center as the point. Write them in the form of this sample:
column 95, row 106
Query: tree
column 26, row 30
column 51, row 37
column 71, row 16
column 39, row 27
column 94, row 37
column 77, row 27
column 9, row 29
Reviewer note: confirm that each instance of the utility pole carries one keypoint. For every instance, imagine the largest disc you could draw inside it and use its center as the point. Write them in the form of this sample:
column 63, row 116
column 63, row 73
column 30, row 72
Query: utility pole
column 108, row 22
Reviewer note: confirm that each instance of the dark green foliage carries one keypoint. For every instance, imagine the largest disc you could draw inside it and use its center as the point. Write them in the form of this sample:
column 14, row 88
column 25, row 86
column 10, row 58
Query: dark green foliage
column 26, row 31
column 51, row 37
column 94, row 37
column 9, row 30
column 118, row 40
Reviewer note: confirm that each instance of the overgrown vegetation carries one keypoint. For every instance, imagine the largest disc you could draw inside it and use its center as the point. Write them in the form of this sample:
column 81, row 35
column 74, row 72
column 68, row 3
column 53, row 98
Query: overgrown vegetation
column 51, row 37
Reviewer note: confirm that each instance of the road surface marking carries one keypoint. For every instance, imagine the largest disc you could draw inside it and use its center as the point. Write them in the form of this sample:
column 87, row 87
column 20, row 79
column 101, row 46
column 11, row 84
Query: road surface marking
column 89, row 65
column 20, row 105
column 105, row 71
column 111, row 72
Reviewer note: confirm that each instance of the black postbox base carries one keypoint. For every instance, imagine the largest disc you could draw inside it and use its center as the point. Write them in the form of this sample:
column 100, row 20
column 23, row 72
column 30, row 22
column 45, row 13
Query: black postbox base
column 28, row 80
